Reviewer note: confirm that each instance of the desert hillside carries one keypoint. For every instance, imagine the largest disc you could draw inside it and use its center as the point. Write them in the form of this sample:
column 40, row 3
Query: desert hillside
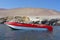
column 28, row 12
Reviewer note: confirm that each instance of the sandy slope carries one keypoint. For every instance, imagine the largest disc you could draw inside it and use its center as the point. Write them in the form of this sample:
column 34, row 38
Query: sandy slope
column 28, row 12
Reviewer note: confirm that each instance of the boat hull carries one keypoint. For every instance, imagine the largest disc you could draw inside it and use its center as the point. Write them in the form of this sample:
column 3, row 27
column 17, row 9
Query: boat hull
column 29, row 26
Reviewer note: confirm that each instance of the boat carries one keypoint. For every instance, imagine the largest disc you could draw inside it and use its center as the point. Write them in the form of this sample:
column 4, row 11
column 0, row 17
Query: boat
column 16, row 25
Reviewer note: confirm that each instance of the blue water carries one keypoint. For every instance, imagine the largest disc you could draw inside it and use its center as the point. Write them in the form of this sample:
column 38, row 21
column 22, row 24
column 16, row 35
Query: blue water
column 7, row 33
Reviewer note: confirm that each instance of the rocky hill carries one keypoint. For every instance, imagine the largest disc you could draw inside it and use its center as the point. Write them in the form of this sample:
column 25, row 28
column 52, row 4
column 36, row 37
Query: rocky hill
column 28, row 12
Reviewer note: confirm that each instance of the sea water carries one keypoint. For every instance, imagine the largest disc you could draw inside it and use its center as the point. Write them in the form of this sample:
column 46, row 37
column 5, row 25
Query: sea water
column 7, row 33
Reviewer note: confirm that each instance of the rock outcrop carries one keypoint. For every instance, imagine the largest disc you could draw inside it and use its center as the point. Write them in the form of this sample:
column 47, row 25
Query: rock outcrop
column 15, row 18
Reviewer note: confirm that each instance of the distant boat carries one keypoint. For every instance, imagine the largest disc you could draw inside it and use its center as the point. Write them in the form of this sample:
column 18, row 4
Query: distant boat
column 16, row 25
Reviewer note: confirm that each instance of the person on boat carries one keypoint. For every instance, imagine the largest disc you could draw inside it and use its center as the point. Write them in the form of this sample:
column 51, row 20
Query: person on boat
column 52, row 21
column 44, row 21
column 36, row 22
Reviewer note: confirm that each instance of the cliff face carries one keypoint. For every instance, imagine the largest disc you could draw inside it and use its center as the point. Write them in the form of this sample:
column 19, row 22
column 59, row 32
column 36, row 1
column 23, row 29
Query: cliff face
column 28, row 12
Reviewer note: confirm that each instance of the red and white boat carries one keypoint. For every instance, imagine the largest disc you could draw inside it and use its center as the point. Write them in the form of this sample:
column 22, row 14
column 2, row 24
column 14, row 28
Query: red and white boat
column 16, row 25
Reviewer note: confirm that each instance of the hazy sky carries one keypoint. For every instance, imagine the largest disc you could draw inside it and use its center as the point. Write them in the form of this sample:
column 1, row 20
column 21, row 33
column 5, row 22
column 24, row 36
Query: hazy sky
column 50, row 4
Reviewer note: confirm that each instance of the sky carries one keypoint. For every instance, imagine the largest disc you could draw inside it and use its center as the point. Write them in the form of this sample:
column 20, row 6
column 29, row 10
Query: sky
column 49, row 4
